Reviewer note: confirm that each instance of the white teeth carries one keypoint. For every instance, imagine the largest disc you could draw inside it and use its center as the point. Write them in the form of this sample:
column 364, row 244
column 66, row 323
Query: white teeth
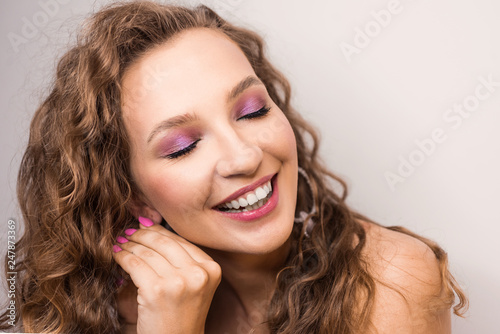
column 250, row 207
column 261, row 193
column 252, row 199
column 256, row 205
column 243, row 202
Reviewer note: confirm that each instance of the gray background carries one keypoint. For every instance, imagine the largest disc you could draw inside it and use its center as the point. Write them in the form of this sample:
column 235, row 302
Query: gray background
column 370, row 110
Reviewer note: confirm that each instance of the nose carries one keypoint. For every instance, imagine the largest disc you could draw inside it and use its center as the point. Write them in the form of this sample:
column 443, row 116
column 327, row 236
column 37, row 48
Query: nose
column 240, row 157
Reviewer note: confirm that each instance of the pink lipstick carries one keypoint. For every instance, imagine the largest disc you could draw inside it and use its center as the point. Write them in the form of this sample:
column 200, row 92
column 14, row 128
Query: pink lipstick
column 269, row 206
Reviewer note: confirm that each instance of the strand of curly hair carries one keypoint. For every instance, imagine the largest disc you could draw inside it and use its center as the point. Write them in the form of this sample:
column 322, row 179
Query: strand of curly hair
column 74, row 185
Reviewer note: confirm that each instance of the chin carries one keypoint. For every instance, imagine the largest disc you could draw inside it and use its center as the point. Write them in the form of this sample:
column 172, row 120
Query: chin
column 265, row 242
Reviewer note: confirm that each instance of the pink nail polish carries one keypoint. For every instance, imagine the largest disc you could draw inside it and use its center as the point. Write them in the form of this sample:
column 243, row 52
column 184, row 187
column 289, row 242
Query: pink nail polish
column 130, row 231
column 116, row 248
column 121, row 239
column 146, row 221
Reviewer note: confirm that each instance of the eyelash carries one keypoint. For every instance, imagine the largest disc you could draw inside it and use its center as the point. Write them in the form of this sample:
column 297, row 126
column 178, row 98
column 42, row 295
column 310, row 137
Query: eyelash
column 257, row 114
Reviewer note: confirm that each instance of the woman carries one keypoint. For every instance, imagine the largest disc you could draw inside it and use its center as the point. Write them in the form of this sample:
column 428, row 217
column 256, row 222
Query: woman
column 169, row 187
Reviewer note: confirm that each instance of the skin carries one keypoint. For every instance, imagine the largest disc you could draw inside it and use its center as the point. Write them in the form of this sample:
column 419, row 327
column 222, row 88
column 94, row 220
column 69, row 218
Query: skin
column 194, row 73
column 217, row 274
column 408, row 298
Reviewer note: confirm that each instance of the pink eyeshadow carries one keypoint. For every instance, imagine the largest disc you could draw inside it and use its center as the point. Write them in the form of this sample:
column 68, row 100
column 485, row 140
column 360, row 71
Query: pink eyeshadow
column 176, row 142
column 249, row 104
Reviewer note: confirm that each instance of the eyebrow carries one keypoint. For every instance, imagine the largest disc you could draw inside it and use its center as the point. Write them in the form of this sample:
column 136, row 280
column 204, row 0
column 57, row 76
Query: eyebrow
column 180, row 120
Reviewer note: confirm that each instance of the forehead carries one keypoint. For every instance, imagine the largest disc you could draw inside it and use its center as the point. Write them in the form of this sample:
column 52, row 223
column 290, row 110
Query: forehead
column 193, row 68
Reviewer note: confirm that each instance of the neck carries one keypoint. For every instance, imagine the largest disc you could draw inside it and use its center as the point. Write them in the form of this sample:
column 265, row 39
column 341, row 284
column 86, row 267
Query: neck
column 251, row 278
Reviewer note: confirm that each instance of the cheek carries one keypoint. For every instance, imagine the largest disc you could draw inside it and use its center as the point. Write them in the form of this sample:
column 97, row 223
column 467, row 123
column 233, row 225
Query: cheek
column 159, row 188
column 164, row 190
column 174, row 192
column 278, row 136
column 288, row 135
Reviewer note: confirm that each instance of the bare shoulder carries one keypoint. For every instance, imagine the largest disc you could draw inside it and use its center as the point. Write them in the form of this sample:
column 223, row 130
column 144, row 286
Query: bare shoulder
column 400, row 257
column 408, row 297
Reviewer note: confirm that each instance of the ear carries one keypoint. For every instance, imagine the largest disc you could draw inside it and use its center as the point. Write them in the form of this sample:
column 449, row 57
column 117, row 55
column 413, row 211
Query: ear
column 141, row 208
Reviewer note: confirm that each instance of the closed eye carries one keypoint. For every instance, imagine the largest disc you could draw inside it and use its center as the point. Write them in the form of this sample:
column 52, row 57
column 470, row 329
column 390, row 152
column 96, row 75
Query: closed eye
column 184, row 151
column 259, row 113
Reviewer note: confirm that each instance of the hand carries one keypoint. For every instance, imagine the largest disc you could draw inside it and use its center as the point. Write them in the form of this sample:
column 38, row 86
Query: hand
column 175, row 280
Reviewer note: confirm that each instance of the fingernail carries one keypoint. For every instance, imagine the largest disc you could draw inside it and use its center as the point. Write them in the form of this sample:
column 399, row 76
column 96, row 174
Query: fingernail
column 116, row 248
column 130, row 231
column 121, row 239
column 146, row 221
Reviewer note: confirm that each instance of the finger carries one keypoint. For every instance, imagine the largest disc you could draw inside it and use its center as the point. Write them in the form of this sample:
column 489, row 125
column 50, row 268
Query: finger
column 148, row 224
column 194, row 251
column 142, row 274
column 156, row 248
column 156, row 261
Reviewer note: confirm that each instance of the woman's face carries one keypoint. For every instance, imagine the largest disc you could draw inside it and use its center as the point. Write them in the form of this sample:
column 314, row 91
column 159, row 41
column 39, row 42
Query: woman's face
column 203, row 132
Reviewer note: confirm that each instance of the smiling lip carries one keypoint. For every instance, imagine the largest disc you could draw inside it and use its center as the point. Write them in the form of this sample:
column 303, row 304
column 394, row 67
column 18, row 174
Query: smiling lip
column 246, row 189
column 260, row 212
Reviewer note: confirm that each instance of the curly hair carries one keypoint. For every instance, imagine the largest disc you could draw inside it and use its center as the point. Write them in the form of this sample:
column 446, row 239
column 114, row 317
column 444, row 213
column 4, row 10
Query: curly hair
column 74, row 185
